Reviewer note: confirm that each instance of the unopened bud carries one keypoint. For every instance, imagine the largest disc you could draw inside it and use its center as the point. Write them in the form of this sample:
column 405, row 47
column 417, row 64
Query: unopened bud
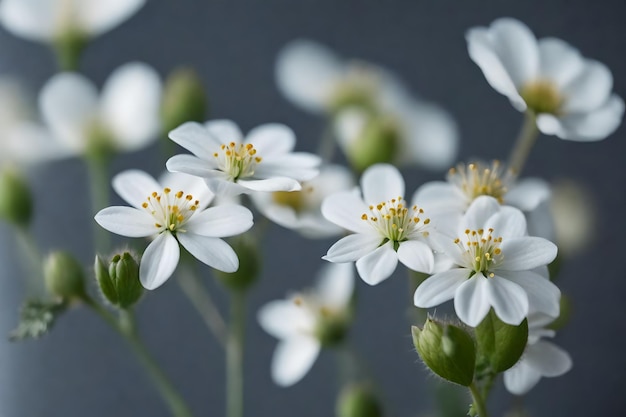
column 16, row 202
column 249, row 265
column 500, row 344
column 64, row 276
column 358, row 401
column 376, row 143
column 184, row 99
column 447, row 350
column 120, row 284
column 332, row 328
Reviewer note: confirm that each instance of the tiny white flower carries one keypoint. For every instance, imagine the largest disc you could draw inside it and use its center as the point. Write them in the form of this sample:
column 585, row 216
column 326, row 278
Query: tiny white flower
column 169, row 212
column 47, row 20
column 540, row 359
column 385, row 228
column 232, row 165
column 299, row 322
column 570, row 95
column 496, row 264
column 357, row 94
column 301, row 210
column 124, row 118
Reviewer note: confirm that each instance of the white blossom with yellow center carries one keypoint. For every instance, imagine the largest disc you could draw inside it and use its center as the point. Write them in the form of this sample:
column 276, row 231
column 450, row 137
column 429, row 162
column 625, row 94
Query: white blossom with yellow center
column 174, row 211
column 570, row 95
column 497, row 265
column 385, row 230
column 232, row 165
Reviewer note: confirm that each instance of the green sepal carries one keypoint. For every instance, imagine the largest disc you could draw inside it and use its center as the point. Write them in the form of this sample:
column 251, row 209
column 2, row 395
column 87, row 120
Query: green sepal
column 64, row 276
column 104, row 281
column 500, row 344
column 16, row 201
column 124, row 273
column 378, row 142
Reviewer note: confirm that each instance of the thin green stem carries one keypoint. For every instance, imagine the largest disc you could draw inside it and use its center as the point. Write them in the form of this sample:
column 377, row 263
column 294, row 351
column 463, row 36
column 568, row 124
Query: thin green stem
column 234, row 355
column 125, row 326
column 326, row 147
column 524, row 143
column 34, row 281
column 99, row 189
column 479, row 402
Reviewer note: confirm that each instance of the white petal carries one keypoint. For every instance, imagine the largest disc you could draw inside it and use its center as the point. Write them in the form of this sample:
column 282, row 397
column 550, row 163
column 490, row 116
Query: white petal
column 127, row 221
column 68, row 103
column 345, row 210
column 526, row 253
column 307, row 74
column 381, row 183
column 508, row 223
column 271, row 184
column 439, row 194
column 196, row 139
column 211, row 251
column 30, row 19
column 521, row 378
column 451, row 249
column 528, row 193
column 97, row 16
column 221, row 185
column 352, row 247
column 335, row 284
column 293, row 358
column 191, row 165
column 548, row 359
column 477, row 214
column 221, row 221
column 516, row 46
column 508, row 299
column 300, row 166
column 417, row 256
column 440, row 287
column 31, row 143
column 559, row 61
column 224, row 131
column 159, row 261
column 471, row 300
column 190, row 184
column 134, row 186
column 347, row 126
column 377, row 266
column 543, row 295
column 589, row 90
column 130, row 105
column 284, row 318
column 272, row 139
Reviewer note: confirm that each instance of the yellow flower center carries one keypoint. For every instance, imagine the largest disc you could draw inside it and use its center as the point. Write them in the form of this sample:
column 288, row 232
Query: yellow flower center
column 396, row 222
column 237, row 160
column 297, row 200
column 542, row 96
column 475, row 180
column 170, row 210
column 481, row 250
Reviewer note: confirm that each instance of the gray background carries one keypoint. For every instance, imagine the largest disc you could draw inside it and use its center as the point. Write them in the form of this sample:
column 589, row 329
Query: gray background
column 84, row 369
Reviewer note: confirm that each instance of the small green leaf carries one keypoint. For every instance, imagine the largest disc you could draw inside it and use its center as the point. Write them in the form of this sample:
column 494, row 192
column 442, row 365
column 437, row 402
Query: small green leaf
column 499, row 343
column 36, row 319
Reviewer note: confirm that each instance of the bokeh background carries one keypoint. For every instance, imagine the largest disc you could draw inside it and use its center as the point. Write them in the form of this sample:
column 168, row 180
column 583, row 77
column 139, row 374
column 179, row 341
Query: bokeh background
column 84, row 369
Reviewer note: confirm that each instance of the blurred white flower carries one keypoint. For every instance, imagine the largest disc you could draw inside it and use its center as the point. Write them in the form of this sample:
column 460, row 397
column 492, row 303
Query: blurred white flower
column 572, row 207
column 169, row 212
column 495, row 261
column 301, row 210
column 540, row 359
column 47, row 20
column 124, row 118
column 232, row 165
column 385, row 229
column 367, row 104
column 305, row 322
column 570, row 95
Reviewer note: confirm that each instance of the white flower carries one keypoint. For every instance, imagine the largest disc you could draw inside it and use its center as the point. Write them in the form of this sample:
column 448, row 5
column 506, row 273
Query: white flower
column 231, row 165
column 385, row 228
column 571, row 95
column 540, row 359
column 359, row 94
column 169, row 212
column 495, row 261
column 47, row 20
column 448, row 201
column 298, row 321
column 124, row 118
column 301, row 210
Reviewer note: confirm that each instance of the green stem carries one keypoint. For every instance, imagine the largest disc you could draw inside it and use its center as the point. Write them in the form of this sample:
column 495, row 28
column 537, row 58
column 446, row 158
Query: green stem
column 234, row 355
column 524, row 143
column 34, row 282
column 326, row 148
column 125, row 326
column 99, row 185
column 479, row 402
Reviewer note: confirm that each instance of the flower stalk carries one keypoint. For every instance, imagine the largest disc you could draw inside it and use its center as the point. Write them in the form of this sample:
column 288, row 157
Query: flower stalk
column 234, row 354
column 478, row 401
column 525, row 141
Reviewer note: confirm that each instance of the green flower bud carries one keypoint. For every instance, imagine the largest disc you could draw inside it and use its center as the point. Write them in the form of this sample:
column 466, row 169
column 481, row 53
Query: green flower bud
column 358, row 401
column 447, row 350
column 500, row 344
column 183, row 99
column 332, row 327
column 249, row 265
column 16, row 202
column 120, row 285
column 64, row 276
column 378, row 142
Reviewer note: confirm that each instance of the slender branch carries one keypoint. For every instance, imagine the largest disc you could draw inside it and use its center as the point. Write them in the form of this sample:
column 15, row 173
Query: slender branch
column 479, row 402
column 34, row 281
column 234, row 355
column 524, row 143
column 99, row 190
column 326, row 147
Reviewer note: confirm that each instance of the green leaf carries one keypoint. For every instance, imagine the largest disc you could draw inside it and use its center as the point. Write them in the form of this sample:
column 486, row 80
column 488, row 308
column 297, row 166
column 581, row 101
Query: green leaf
column 36, row 319
column 499, row 343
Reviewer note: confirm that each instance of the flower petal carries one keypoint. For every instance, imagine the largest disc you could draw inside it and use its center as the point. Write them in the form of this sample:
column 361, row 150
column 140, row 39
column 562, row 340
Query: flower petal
column 508, row 223
column 352, row 247
column 508, row 299
column 471, row 300
column 548, row 359
column 126, row 221
column 190, row 184
column 589, row 90
column 335, row 284
column 96, row 16
column 272, row 139
column 293, row 358
column 440, row 287
column 381, row 183
column 300, row 166
column 224, row 131
column 377, row 266
column 526, row 253
column 417, row 256
column 284, row 318
column 271, row 184
column 191, row 165
column 211, row 251
column 221, row 221
column 345, row 210
column 528, row 193
column 477, row 214
column 521, row 378
column 159, row 261
column 559, row 62
column 543, row 295
column 31, row 19
column 196, row 139
column 130, row 104
column 134, row 186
